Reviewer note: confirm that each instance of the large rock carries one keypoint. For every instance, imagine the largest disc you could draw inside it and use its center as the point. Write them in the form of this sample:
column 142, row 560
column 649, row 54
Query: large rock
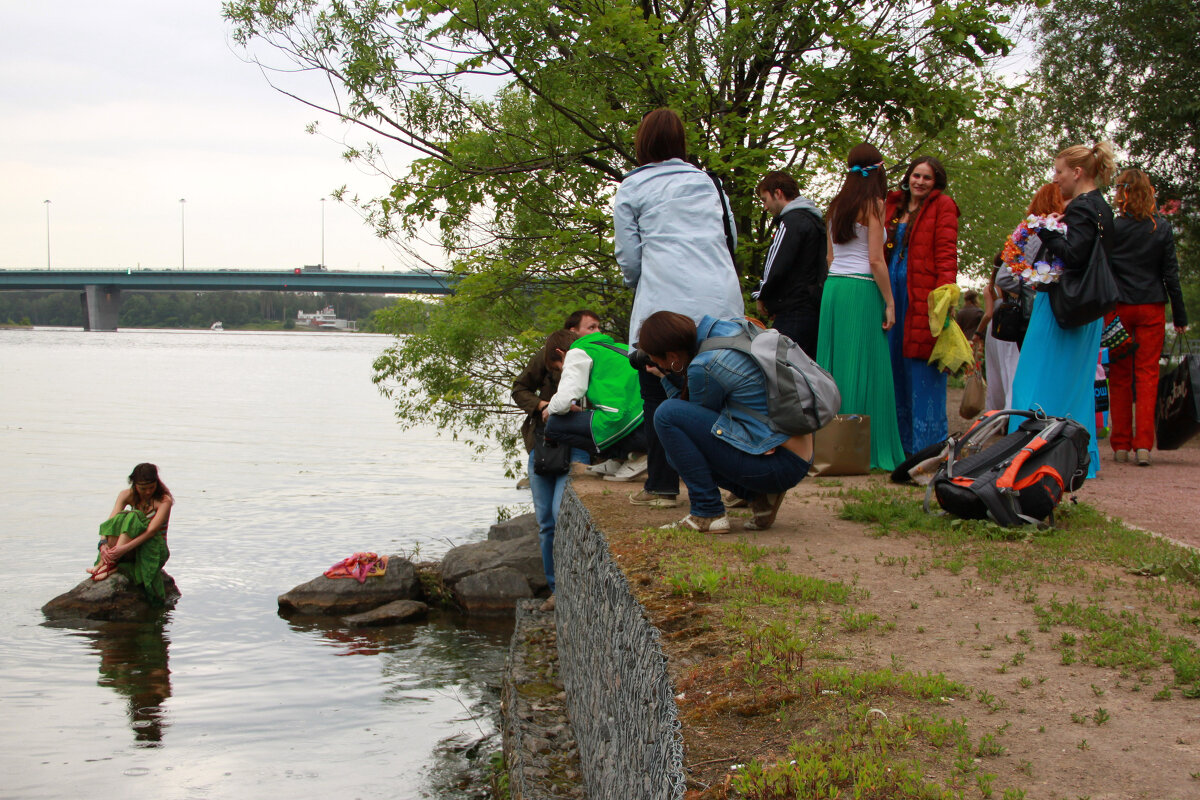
column 493, row 592
column 341, row 596
column 114, row 598
column 523, row 555
column 515, row 528
column 393, row 613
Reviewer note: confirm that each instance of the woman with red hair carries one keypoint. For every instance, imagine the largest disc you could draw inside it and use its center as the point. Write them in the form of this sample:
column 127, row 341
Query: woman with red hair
column 1001, row 357
column 1147, row 273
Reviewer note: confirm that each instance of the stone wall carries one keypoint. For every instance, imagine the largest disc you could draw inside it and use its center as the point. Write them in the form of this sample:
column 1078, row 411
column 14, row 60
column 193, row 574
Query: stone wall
column 619, row 698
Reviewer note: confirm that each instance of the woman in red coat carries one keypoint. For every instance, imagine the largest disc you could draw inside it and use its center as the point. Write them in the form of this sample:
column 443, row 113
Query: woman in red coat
column 922, row 252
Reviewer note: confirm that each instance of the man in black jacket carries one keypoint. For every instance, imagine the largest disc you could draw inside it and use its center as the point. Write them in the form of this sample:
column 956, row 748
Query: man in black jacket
column 795, row 268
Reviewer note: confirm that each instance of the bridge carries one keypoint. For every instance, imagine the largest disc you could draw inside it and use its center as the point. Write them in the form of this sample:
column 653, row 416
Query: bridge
column 100, row 290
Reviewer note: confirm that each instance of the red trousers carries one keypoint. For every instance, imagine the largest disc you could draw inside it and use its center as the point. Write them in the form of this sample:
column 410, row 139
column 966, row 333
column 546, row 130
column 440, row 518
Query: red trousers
column 1134, row 379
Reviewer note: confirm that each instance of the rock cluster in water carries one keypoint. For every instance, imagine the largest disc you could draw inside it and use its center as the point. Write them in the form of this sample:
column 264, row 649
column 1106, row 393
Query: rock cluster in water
column 482, row 579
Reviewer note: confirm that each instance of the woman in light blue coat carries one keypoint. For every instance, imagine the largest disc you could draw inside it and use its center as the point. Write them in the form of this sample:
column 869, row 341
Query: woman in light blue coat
column 670, row 222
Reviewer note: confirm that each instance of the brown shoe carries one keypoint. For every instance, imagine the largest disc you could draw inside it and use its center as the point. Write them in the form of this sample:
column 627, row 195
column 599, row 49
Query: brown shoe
column 765, row 508
column 548, row 605
column 1120, row 456
column 644, row 498
column 731, row 500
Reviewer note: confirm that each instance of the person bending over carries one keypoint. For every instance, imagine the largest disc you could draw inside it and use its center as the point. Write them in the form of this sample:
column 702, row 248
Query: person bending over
column 709, row 436
column 134, row 537
column 598, row 404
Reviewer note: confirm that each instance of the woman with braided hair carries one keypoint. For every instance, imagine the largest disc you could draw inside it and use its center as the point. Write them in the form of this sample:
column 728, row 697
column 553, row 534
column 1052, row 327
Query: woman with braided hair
column 857, row 307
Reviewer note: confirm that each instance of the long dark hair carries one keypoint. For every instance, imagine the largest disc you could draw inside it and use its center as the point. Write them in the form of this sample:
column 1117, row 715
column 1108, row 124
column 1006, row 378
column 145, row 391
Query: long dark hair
column 147, row 473
column 864, row 185
column 939, row 184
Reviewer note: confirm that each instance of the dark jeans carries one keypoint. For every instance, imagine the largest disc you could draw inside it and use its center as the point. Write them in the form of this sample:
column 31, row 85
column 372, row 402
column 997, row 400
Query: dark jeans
column 708, row 464
column 801, row 327
column 661, row 477
column 575, row 429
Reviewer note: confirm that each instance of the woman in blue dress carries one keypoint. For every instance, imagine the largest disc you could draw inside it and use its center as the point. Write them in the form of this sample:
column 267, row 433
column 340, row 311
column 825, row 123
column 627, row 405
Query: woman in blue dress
column 1056, row 372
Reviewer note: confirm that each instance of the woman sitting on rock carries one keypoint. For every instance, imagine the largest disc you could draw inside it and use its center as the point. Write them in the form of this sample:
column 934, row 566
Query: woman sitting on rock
column 134, row 537
column 713, row 431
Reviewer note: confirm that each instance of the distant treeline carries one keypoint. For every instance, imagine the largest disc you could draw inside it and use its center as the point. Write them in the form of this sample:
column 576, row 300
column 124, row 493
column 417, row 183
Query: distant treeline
column 193, row 309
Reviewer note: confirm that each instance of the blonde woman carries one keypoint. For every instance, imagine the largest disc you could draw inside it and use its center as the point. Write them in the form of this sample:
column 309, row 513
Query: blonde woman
column 1056, row 372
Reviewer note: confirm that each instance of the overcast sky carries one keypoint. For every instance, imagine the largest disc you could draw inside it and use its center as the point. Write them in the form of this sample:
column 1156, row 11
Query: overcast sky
column 115, row 110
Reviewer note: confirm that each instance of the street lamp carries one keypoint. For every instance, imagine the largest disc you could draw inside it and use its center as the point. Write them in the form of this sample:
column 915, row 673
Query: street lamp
column 182, row 235
column 322, row 233
column 47, row 202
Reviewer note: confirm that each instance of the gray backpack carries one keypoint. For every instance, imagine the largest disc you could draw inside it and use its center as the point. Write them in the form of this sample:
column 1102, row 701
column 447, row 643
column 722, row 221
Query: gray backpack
column 801, row 397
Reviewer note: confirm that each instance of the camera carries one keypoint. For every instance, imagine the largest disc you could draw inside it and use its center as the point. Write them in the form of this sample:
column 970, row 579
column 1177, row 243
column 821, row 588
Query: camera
column 640, row 359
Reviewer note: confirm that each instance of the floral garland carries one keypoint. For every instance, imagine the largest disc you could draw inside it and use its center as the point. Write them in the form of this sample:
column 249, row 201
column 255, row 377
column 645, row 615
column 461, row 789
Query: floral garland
column 1020, row 251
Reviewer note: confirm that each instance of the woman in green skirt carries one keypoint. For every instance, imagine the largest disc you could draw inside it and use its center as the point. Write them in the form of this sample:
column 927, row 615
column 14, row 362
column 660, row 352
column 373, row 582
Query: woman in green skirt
column 857, row 307
column 134, row 537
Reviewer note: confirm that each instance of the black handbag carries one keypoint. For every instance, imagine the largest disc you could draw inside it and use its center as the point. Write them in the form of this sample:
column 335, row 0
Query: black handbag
column 1010, row 319
column 1085, row 295
column 549, row 458
column 1177, row 414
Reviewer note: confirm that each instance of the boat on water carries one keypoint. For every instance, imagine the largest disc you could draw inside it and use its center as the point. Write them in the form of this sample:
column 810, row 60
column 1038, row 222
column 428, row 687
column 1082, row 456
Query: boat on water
column 216, row 326
column 324, row 320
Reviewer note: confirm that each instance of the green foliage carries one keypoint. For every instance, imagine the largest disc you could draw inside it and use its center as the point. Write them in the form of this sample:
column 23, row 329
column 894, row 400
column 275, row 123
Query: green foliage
column 519, row 120
column 1126, row 69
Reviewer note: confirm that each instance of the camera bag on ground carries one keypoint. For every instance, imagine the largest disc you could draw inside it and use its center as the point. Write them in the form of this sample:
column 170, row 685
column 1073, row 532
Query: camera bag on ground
column 1019, row 479
column 801, row 397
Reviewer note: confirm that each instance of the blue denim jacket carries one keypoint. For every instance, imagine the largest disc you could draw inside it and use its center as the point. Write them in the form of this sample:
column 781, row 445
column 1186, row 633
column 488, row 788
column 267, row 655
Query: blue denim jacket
column 717, row 377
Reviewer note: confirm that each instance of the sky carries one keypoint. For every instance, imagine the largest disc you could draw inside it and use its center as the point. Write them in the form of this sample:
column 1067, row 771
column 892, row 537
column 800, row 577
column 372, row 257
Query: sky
column 114, row 111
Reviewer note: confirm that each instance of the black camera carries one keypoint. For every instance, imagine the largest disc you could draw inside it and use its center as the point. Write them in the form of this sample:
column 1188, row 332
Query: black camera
column 640, row 359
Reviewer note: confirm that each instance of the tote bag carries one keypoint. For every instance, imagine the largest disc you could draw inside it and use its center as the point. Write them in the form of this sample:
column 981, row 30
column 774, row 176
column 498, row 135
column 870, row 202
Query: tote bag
column 1177, row 415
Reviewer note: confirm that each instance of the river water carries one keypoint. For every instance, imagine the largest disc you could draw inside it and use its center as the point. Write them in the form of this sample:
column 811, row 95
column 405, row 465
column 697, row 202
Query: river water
column 283, row 458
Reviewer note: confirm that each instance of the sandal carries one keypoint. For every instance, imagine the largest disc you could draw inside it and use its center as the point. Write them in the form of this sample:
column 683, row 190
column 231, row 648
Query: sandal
column 105, row 569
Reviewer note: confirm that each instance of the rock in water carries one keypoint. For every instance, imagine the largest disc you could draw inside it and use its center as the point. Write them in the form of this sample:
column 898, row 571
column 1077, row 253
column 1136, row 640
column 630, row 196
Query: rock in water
column 342, row 596
column 390, row 614
column 114, row 598
column 493, row 592
column 523, row 555
column 514, row 528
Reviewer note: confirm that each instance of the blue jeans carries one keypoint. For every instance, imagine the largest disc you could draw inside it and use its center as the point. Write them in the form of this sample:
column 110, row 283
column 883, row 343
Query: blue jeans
column 708, row 464
column 547, row 491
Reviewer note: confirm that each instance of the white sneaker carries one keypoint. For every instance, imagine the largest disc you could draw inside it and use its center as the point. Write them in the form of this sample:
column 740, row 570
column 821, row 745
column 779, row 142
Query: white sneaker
column 630, row 470
column 604, row 468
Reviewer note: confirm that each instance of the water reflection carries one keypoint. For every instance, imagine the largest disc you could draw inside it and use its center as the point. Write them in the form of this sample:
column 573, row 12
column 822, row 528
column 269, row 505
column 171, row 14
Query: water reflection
column 355, row 641
column 134, row 664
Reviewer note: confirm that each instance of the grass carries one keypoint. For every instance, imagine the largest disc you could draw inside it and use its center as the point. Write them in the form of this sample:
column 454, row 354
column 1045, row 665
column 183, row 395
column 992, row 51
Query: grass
column 792, row 654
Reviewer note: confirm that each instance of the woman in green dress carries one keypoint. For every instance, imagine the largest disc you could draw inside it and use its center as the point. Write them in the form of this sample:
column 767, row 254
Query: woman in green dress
column 134, row 537
column 857, row 306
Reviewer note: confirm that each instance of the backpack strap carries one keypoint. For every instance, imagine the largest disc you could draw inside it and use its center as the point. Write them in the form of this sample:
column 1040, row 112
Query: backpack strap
column 712, row 176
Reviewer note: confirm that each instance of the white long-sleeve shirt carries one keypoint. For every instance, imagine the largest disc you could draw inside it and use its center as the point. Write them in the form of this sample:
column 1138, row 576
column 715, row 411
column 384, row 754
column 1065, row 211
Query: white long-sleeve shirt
column 573, row 385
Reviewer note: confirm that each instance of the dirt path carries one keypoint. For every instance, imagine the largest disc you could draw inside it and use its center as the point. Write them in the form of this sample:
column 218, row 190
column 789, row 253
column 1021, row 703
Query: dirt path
column 1065, row 730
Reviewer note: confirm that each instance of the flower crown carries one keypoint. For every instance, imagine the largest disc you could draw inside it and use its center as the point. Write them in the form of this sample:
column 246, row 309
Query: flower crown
column 865, row 171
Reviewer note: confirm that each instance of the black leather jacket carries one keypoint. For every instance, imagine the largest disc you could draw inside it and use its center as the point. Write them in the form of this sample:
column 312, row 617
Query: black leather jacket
column 1144, row 264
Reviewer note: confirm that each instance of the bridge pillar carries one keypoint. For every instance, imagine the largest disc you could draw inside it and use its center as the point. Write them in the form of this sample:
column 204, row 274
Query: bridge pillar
column 100, row 307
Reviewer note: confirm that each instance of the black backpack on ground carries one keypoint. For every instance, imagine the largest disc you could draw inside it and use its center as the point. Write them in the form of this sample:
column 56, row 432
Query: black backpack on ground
column 1018, row 480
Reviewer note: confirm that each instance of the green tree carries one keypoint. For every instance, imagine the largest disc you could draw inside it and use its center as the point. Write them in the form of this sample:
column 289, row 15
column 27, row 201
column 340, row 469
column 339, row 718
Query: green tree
column 1127, row 69
column 520, row 119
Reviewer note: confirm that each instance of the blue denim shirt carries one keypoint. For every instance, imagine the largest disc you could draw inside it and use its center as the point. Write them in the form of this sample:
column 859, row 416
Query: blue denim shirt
column 717, row 377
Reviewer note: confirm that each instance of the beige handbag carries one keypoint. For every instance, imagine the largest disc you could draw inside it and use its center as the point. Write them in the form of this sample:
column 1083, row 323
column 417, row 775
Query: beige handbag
column 974, row 396
column 843, row 447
